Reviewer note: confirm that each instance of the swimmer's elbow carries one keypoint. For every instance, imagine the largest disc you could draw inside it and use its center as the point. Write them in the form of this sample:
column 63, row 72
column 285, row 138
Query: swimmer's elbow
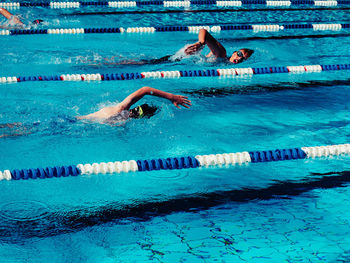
column 146, row 90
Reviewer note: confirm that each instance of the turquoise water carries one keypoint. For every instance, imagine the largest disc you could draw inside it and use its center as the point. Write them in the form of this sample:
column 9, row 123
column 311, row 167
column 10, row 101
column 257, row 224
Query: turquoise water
column 293, row 211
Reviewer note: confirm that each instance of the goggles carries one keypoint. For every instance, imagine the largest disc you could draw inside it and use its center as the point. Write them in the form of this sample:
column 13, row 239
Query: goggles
column 239, row 54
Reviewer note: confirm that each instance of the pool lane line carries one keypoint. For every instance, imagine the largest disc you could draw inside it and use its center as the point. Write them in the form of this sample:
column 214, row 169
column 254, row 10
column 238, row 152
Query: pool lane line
column 51, row 222
column 127, row 4
column 191, row 29
column 201, row 11
column 205, row 161
column 226, row 72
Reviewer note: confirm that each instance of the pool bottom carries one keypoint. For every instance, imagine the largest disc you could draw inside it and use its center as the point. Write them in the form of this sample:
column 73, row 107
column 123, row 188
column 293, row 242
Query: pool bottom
column 289, row 221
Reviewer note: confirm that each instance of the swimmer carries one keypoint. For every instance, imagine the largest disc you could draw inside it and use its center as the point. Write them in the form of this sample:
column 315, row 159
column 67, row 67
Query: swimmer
column 111, row 114
column 216, row 49
column 14, row 19
column 107, row 115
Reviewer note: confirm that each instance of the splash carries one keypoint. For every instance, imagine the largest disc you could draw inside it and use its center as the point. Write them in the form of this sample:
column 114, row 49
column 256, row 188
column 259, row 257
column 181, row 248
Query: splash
column 195, row 58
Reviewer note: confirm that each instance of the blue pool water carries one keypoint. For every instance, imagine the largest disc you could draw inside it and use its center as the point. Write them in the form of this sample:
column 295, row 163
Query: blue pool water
column 293, row 211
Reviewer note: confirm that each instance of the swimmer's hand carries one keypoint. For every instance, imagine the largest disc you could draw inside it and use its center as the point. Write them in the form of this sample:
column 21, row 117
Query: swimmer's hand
column 194, row 48
column 181, row 100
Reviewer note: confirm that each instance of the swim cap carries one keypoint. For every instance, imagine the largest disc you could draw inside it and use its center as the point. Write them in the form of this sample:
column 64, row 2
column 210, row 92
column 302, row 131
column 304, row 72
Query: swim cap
column 37, row 21
column 139, row 112
column 143, row 111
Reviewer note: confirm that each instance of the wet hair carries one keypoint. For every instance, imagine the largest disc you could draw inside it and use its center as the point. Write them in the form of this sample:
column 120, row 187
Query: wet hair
column 143, row 111
column 248, row 51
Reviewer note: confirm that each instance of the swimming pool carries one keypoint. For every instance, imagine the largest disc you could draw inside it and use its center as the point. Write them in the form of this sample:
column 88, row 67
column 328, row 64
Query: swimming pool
column 273, row 212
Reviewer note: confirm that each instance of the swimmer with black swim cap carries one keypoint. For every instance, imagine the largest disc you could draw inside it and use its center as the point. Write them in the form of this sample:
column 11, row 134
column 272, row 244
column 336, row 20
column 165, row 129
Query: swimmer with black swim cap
column 143, row 111
column 16, row 20
column 109, row 114
column 37, row 21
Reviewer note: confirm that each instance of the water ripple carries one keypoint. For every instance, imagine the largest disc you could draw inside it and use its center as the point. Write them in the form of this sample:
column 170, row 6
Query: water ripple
column 24, row 210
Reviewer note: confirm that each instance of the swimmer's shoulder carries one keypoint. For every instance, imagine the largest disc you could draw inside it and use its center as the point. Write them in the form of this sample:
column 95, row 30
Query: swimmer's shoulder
column 118, row 118
column 103, row 114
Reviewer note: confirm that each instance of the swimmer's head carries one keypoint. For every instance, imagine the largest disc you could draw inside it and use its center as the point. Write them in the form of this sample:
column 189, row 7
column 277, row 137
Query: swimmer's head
column 143, row 111
column 37, row 21
column 241, row 55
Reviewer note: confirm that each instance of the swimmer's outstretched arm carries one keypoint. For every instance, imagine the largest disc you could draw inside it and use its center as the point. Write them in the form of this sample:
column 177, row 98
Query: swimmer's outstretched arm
column 205, row 38
column 134, row 97
column 139, row 94
column 5, row 13
column 8, row 15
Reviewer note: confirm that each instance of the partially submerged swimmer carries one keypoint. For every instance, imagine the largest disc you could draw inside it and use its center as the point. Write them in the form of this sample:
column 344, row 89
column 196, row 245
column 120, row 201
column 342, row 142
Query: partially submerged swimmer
column 216, row 49
column 108, row 115
column 112, row 113
column 217, row 52
column 15, row 19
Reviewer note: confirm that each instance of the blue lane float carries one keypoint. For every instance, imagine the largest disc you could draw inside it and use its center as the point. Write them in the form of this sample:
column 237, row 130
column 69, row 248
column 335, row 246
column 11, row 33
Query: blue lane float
column 128, row 4
column 212, row 160
column 227, row 72
column 191, row 29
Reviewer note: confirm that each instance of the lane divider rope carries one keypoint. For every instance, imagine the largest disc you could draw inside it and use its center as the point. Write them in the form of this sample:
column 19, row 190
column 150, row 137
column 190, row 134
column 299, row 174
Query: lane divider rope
column 190, row 29
column 212, row 160
column 226, row 72
column 186, row 3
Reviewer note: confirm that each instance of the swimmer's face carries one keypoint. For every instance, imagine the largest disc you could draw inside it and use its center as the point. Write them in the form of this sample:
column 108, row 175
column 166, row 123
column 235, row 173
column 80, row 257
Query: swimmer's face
column 143, row 111
column 239, row 56
column 132, row 114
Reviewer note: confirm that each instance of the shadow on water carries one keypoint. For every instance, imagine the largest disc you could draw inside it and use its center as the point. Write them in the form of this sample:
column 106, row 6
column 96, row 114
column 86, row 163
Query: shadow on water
column 55, row 223
column 259, row 88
